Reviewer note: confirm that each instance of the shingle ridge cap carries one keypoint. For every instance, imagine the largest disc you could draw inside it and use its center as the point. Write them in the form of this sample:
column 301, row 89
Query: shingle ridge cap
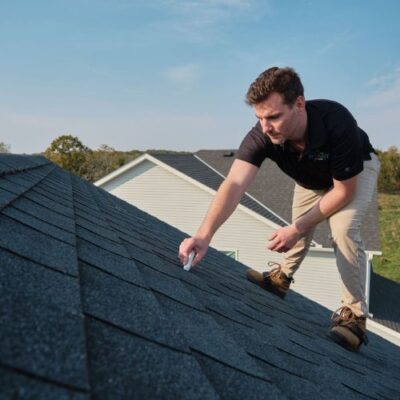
column 30, row 188
column 23, row 169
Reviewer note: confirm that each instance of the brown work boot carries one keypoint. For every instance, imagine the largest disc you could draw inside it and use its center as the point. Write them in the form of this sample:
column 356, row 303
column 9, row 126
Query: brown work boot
column 347, row 329
column 274, row 280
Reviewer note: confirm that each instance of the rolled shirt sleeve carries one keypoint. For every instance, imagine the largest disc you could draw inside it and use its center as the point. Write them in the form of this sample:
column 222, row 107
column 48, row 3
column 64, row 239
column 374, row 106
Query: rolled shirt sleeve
column 254, row 147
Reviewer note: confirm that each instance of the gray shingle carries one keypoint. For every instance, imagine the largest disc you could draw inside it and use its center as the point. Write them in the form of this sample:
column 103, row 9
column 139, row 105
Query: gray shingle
column 131, row 323
column 40, row 225
column 168, row 286
column 127, row 306
column 19, row 386
column 50, row 203
column 28, row 179
column 43, row 340
column 126, row 366
column 45, row 214
column 206, row 336
column 384, row 300
column 119, row 266
column 40, row 247
column 6, row 197
column 231, row 384
column 27, row 281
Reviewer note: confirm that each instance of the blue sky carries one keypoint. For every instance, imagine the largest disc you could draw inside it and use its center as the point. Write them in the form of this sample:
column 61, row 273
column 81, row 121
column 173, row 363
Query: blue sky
column 173, row 74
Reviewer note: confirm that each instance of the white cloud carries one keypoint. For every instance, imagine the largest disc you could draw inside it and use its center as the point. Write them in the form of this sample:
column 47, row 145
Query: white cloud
column 183, row 73
column 387, row 94
column 207, row 11
column 337, row 41
column 197, row 20
column 379, row 112
column 384, row 80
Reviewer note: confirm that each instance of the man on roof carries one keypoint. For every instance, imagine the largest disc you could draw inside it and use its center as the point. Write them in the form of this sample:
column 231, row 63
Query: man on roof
column 319, row 144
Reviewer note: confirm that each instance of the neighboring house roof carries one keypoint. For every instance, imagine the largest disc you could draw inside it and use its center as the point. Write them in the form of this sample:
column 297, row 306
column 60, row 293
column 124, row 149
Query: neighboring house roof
column 191, row 166
column 385, row 301
column 94, row 304
column 274, row 188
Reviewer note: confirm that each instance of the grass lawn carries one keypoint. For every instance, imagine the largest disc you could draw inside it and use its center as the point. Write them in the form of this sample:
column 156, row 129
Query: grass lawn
column 388, row 265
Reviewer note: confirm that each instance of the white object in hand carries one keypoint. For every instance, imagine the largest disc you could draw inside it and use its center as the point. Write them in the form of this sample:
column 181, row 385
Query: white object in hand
column 188, row 265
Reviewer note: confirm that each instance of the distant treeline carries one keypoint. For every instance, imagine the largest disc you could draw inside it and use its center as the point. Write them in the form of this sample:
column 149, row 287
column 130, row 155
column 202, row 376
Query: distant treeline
column 389, row 177
column 69, row 152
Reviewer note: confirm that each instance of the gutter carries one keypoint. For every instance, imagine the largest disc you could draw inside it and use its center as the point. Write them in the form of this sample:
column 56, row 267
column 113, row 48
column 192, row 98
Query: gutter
column 368, row 280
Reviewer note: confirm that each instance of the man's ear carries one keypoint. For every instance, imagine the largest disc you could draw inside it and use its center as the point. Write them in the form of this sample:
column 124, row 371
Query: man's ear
column 300, row 103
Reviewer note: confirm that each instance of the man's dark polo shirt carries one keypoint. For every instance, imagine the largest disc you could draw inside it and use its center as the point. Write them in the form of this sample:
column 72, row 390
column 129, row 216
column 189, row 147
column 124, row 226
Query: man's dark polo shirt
column 335, row 147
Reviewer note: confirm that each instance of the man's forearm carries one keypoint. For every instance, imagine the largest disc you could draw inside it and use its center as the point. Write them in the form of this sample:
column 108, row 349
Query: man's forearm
column 223, row 205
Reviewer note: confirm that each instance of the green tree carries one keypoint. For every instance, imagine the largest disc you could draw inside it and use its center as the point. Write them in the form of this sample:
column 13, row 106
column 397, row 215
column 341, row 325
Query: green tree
column 106, row 159
column 389, row 177
column 4, row 148
column 69, row 153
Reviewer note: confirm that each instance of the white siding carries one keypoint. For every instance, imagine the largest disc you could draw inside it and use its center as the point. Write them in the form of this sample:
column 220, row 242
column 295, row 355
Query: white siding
column 183, row 205
column 122, row 182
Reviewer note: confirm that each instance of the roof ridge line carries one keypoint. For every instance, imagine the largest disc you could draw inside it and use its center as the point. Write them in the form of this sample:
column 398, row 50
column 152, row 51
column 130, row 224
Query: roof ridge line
column 18, row 170
column 84, row 328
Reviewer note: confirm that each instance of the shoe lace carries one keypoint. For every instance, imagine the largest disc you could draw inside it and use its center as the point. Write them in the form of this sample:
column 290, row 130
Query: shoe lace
column 275, row 272
column 343, row 316
column 276, row 265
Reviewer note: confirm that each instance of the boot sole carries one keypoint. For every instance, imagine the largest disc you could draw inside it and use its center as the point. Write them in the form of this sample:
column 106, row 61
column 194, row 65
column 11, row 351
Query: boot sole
column 341, row 341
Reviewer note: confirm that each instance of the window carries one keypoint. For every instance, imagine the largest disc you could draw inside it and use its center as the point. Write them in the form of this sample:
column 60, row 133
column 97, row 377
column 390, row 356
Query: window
column 231, row 253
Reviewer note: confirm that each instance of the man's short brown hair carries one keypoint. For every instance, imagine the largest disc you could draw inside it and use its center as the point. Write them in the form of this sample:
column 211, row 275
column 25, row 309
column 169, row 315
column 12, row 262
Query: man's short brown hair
column 284, row 81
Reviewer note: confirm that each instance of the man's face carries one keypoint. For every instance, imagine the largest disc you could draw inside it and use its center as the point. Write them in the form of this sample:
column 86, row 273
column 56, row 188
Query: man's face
column 279, row 121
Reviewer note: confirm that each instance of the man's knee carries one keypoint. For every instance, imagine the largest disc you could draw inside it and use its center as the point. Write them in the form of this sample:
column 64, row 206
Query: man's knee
column 345, row 233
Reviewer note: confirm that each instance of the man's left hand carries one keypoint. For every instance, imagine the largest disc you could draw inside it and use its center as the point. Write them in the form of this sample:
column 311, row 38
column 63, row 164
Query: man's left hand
column 284, row 239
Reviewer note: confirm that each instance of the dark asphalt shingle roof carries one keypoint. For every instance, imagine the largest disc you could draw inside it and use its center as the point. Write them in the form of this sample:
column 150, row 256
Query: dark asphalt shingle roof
column 385, row 301
column 195, row 169
column 274, row 188
column 94, row 304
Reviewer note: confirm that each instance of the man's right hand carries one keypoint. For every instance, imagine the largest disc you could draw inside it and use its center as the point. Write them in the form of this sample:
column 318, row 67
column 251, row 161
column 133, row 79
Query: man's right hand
column 224, row 203
column 199, row 246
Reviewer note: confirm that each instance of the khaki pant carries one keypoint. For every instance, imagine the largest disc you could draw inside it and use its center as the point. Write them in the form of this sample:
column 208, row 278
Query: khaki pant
column 345, row 227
